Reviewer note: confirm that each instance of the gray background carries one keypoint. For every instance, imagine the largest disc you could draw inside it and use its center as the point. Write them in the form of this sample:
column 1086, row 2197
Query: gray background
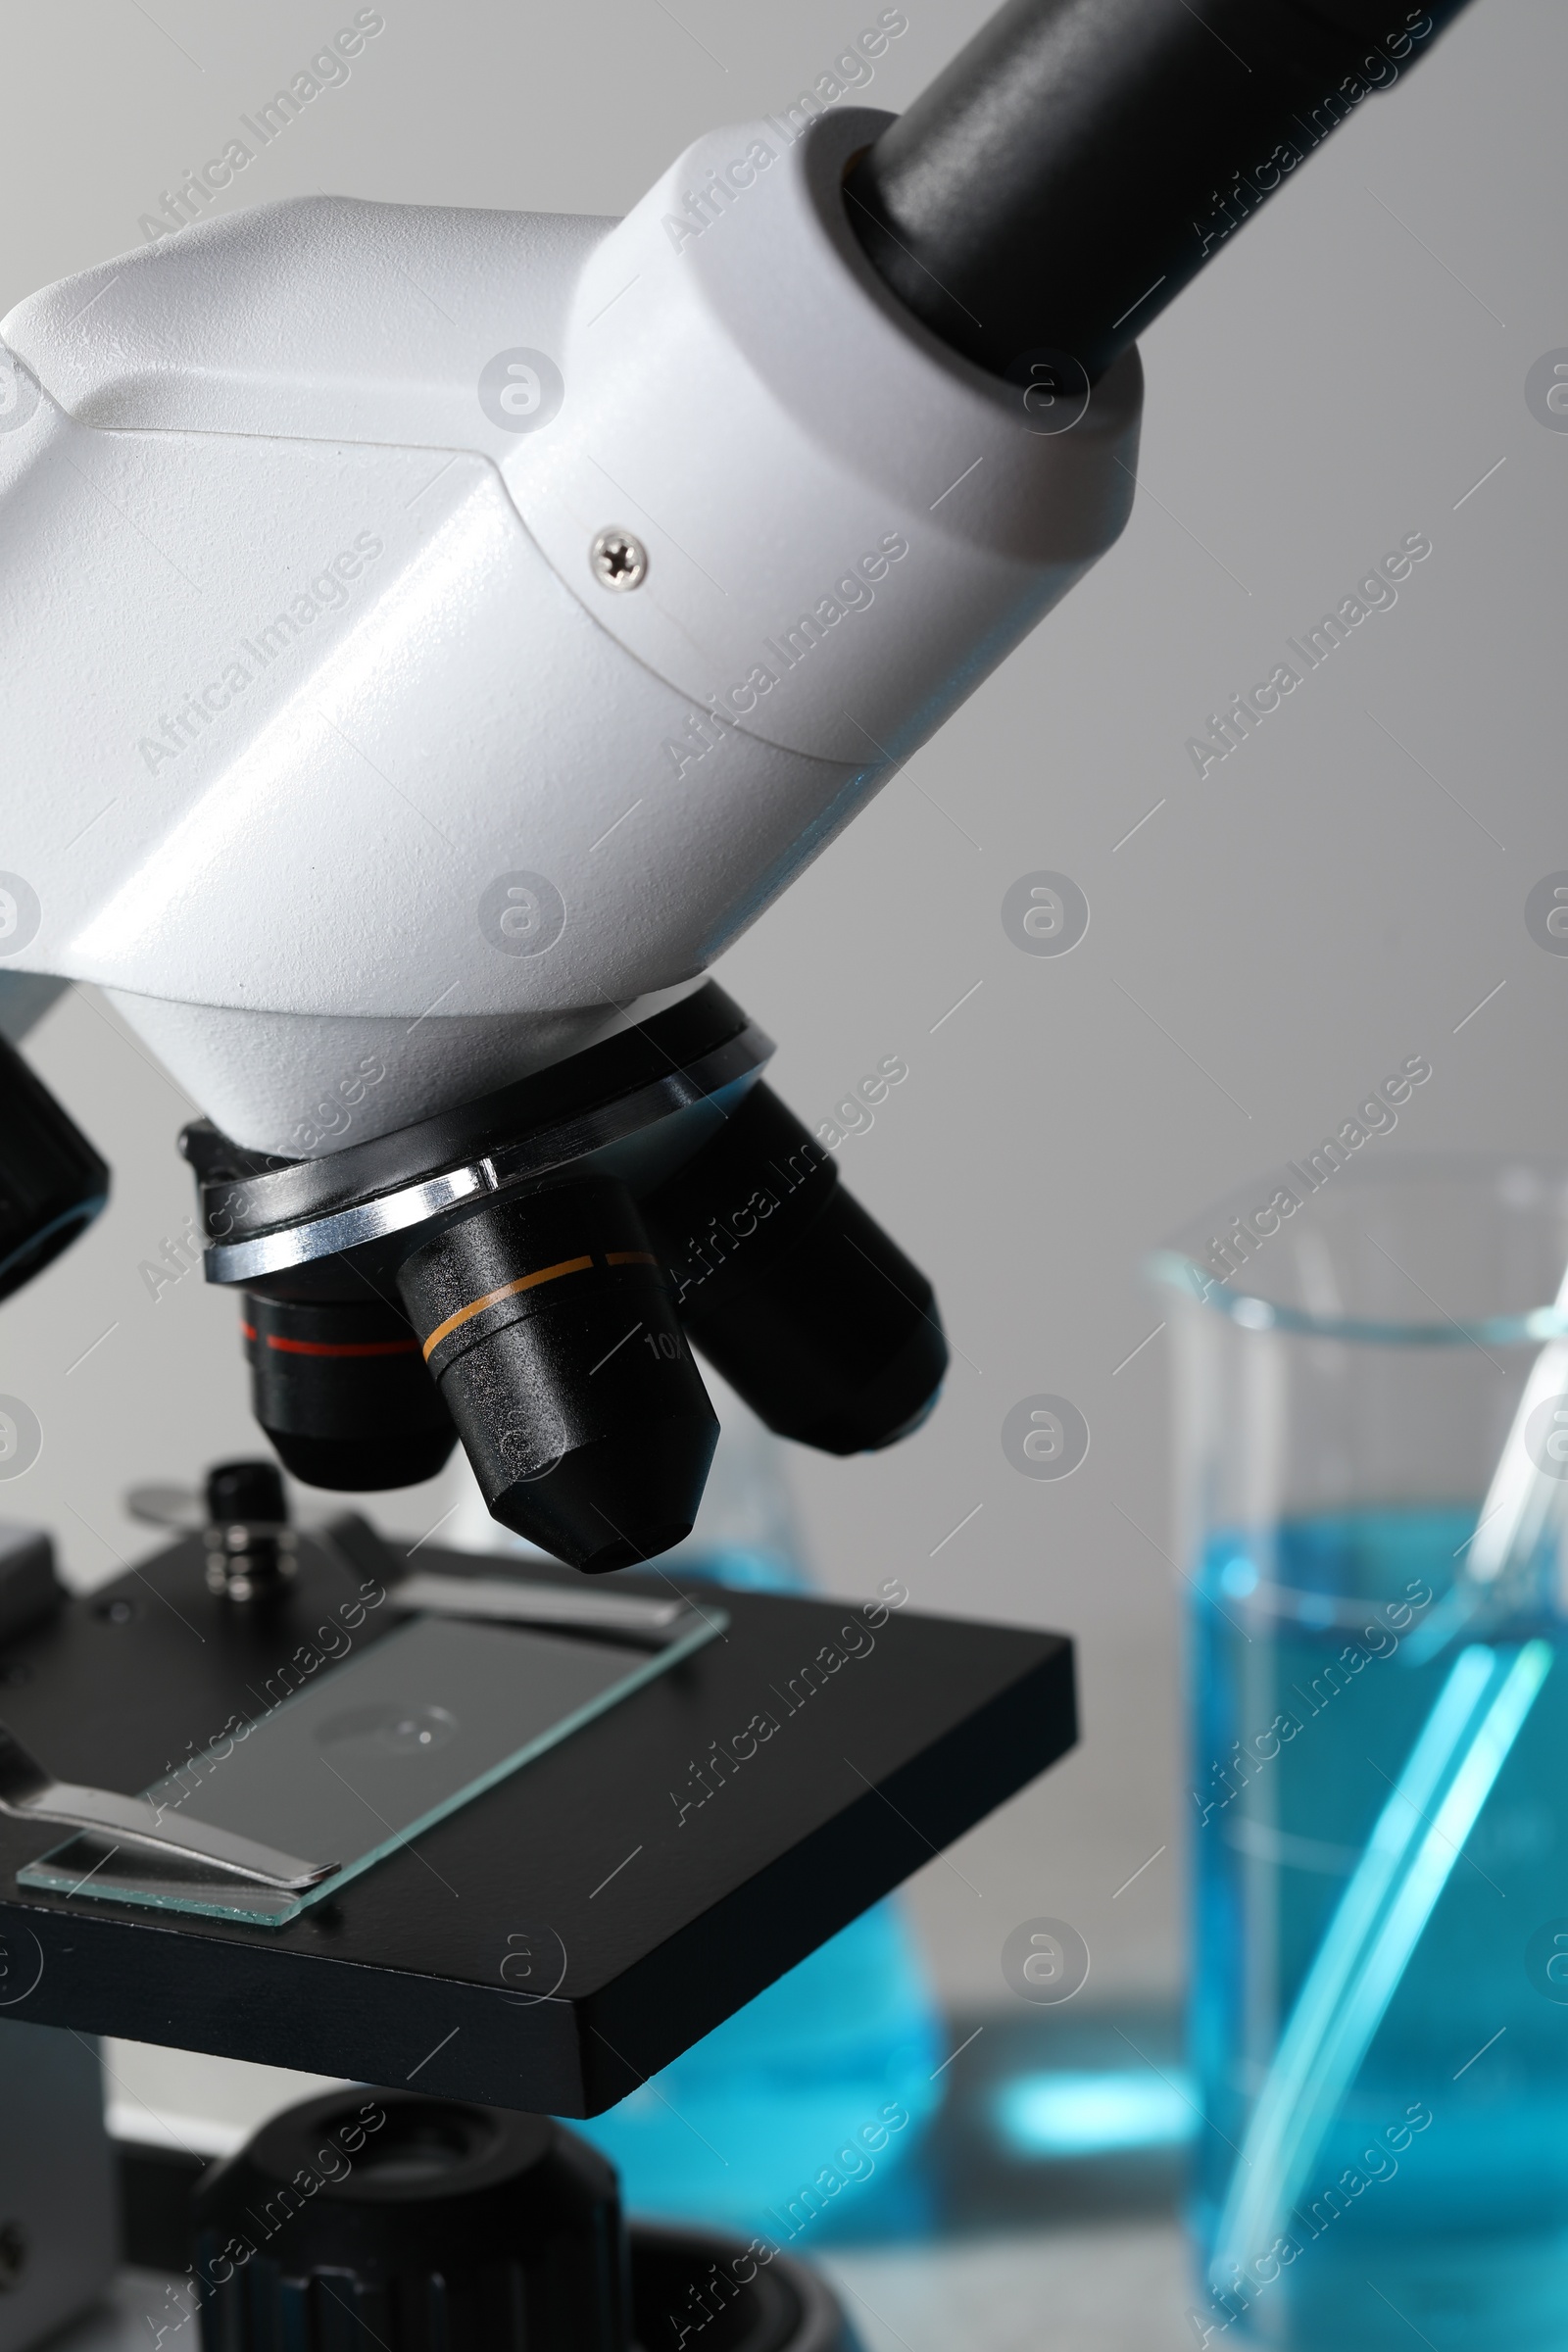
column 1338, row 896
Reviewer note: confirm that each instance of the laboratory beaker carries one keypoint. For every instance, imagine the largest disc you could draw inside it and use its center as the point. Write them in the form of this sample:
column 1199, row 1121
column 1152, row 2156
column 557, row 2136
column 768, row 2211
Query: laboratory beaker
column 1378, row 1783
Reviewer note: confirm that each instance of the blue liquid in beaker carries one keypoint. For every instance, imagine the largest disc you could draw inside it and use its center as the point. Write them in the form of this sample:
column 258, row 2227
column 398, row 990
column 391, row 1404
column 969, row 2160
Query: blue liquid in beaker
column 1438, row 2200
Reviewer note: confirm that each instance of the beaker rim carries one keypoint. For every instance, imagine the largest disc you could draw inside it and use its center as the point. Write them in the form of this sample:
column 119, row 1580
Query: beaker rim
column 1254, row 1291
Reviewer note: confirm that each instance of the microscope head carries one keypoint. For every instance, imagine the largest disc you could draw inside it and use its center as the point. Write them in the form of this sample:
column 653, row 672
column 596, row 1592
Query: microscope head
column 487, row 616
column 492, row 614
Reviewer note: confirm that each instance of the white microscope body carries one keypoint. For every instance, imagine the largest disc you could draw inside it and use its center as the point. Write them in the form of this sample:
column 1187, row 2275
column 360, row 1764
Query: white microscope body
column 431, row 636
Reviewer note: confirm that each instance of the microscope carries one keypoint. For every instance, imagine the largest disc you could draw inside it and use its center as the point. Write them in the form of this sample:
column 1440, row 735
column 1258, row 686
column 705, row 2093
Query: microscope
column 488, row 615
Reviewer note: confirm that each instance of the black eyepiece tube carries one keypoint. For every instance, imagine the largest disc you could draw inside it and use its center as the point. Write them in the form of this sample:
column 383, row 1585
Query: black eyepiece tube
column 52, row 1181
column 1080, row 159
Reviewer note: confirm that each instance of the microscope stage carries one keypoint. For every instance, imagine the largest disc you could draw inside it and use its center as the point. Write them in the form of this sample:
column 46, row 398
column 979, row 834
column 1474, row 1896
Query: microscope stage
column 577, row 1926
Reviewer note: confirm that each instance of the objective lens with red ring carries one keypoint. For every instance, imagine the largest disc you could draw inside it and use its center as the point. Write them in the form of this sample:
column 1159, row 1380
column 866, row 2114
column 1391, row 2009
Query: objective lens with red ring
column 342, row 1392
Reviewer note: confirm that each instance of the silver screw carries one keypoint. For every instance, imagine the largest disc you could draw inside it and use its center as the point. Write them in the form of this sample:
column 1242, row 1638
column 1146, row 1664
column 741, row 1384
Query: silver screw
column 618, row 560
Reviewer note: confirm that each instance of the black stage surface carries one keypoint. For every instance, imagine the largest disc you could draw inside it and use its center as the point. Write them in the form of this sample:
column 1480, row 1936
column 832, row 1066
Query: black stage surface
column 564, row 1935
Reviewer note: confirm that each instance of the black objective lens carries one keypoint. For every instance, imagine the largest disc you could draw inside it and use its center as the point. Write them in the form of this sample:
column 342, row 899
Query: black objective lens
column 52, row 1181
column 343, row 1394
column 799, row 1297
column 550, row 1326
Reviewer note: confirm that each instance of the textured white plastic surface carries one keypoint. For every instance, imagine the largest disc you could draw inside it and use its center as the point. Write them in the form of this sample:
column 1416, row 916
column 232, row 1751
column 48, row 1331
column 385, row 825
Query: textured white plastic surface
column 304, row 649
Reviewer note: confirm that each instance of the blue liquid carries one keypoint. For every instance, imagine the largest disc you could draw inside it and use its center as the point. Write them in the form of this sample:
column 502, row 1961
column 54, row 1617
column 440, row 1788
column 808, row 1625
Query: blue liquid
column 793, row 2092
column 741, row 2124
column 1463, row 2235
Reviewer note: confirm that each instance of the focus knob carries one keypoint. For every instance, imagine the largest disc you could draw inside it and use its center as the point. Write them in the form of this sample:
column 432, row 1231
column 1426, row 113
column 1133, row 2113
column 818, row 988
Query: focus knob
column 369, row 2217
